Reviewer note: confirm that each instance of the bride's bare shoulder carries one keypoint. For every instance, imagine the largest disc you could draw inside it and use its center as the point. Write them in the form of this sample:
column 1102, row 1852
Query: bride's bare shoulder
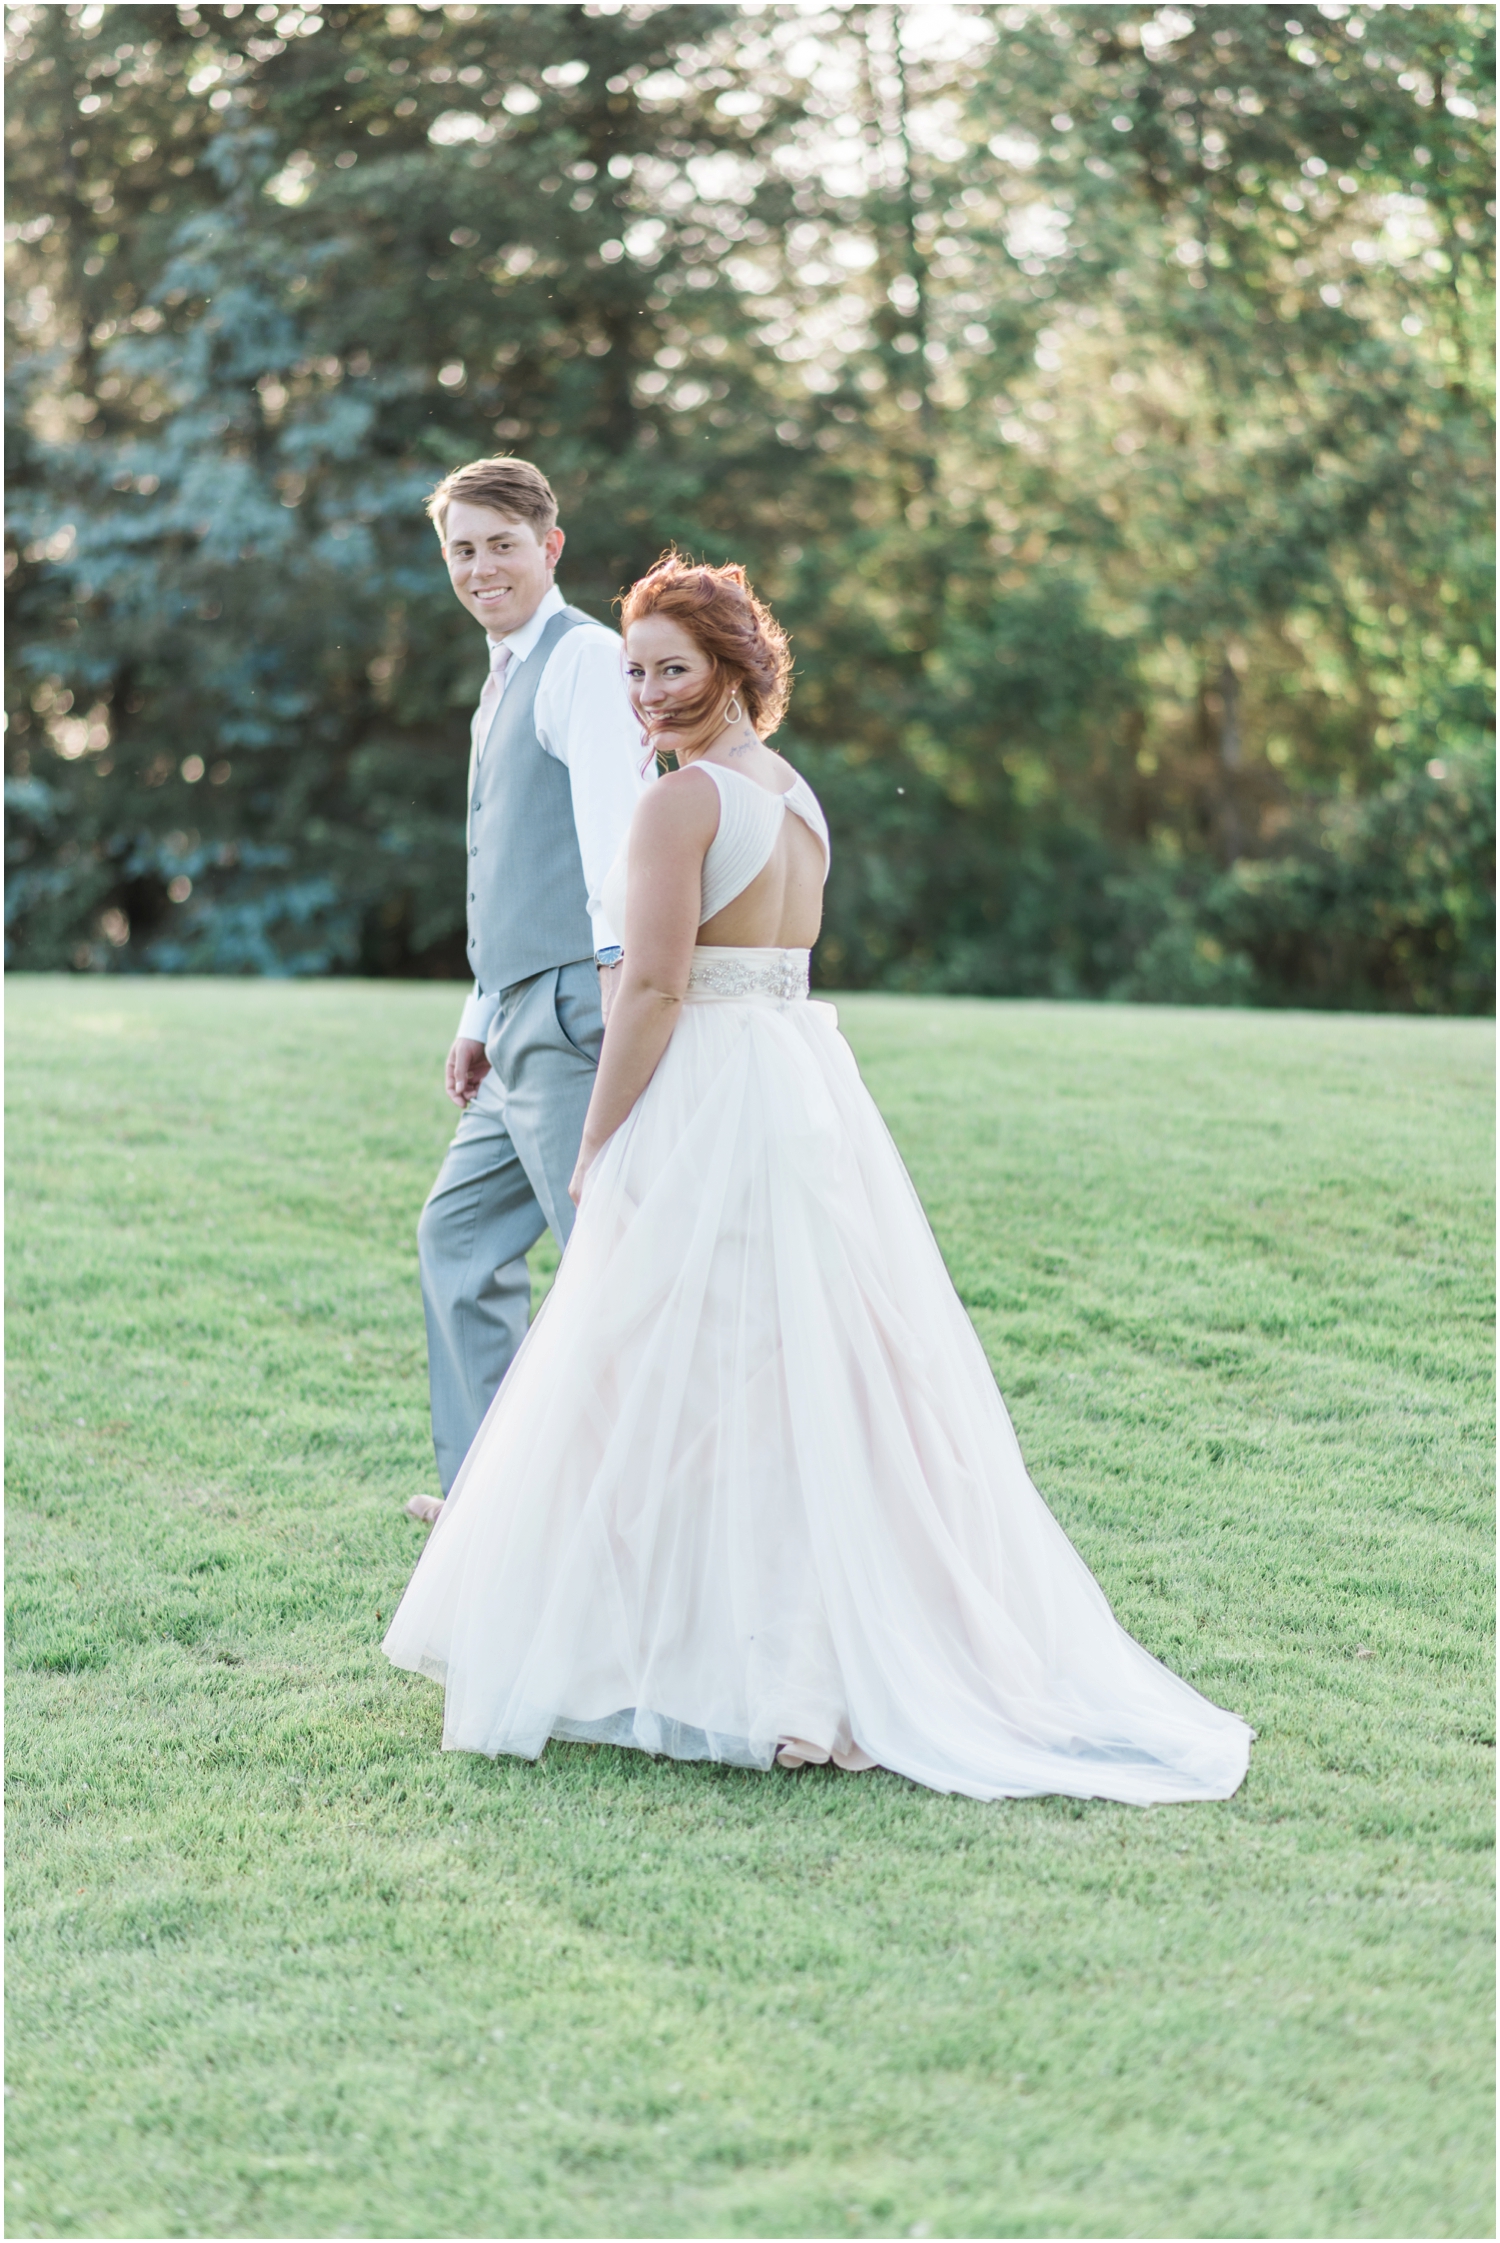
column 682, row 807
column 780, row 776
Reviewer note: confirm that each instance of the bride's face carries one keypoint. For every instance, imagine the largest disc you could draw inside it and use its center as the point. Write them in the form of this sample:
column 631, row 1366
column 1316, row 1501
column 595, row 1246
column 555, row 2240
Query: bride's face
column 664, row 668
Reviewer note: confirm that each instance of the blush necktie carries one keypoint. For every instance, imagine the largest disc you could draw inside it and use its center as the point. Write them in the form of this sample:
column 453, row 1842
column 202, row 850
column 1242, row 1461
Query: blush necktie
column 489, row 699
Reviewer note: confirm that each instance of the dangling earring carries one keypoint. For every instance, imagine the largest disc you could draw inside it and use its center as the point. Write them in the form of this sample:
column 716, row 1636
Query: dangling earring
column 734, row 714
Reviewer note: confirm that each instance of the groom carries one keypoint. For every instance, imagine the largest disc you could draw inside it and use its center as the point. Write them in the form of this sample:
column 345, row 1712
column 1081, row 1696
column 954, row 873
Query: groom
column 554, row 775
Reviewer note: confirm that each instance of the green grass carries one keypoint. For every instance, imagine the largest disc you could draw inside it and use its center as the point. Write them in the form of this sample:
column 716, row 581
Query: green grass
column 280, row 1967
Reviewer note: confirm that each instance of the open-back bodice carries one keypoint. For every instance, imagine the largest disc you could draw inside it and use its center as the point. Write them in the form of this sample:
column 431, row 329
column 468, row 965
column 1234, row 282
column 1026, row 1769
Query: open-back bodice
column 750, row 818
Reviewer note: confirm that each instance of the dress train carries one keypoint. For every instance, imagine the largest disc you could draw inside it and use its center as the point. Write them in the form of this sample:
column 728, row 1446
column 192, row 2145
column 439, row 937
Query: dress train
column 749, row 1485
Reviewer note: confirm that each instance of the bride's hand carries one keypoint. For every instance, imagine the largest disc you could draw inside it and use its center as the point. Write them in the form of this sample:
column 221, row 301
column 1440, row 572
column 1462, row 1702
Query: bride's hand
column 585, row 1163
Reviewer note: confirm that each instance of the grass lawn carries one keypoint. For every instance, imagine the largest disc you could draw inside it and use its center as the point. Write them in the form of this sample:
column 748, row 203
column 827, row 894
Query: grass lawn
column 280, row 1967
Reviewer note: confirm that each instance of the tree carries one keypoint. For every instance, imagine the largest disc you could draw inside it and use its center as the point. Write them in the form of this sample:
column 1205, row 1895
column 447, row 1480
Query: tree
column 295, row 279
column 1099, row 393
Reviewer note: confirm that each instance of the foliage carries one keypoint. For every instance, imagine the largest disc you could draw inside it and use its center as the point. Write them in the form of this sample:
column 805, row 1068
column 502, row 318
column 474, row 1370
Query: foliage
column 280, row 1966
column 1101, row 394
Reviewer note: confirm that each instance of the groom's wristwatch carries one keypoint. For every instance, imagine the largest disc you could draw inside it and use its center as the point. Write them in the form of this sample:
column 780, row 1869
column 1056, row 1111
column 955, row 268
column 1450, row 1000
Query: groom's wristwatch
column 610, row 955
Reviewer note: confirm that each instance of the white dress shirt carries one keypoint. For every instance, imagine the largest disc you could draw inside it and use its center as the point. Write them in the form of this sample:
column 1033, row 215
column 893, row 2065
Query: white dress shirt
column 585, row 720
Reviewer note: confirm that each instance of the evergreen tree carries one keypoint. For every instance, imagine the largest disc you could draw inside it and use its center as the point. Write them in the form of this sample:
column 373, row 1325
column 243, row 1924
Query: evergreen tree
column 1101, row 395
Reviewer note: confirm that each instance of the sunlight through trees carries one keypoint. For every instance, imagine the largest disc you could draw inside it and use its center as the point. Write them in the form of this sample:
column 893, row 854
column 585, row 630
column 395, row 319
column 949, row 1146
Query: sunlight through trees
column 1101, row 394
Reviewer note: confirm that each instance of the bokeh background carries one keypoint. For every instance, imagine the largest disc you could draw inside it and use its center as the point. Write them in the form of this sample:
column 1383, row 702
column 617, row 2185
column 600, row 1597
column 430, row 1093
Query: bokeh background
column 1101, row 394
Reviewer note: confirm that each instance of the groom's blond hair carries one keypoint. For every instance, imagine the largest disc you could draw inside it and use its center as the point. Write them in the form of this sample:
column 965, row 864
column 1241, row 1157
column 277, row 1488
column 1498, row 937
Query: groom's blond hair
column 510, row 486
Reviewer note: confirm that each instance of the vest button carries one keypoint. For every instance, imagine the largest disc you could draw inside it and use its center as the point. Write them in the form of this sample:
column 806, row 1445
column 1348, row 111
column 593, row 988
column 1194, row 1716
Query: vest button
column 473, row 852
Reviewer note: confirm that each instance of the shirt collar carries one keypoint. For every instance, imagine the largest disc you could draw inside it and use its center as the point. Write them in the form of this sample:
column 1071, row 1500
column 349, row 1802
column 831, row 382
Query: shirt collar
column 519, row 643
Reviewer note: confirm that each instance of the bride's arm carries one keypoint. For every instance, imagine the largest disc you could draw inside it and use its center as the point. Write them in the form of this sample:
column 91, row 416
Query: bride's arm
column 674, row 823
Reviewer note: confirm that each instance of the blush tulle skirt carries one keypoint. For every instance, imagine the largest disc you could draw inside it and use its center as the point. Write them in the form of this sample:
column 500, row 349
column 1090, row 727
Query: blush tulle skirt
column 749, row 1487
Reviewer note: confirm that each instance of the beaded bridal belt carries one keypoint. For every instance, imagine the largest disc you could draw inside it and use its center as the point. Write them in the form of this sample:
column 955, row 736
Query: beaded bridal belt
column 718, row 971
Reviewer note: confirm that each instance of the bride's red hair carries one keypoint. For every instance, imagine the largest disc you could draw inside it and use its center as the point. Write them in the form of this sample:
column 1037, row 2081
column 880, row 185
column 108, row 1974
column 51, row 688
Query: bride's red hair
column 746, row 647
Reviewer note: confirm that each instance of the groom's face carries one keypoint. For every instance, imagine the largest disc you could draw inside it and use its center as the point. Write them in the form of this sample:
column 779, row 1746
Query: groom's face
column 499, row 567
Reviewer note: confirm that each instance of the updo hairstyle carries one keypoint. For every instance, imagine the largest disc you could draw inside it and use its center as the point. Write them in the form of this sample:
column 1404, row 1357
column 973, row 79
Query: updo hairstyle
column 746, row 647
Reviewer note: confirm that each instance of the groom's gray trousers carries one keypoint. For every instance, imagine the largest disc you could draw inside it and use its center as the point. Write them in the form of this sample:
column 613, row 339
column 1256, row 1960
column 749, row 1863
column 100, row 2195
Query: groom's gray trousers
column 504, row 1181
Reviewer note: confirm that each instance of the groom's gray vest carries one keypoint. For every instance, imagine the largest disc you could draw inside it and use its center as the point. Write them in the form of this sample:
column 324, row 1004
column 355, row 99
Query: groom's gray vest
column 528, row 900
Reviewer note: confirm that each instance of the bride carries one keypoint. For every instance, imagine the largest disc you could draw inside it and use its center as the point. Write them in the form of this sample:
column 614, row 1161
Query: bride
column 748, row 1492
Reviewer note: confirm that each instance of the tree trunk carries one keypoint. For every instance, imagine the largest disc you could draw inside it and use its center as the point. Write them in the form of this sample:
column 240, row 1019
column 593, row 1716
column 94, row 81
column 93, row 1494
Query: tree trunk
column 1230, row 758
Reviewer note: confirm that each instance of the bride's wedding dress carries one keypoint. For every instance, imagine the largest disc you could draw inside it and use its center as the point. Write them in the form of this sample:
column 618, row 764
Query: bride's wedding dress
column 749, row 1487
